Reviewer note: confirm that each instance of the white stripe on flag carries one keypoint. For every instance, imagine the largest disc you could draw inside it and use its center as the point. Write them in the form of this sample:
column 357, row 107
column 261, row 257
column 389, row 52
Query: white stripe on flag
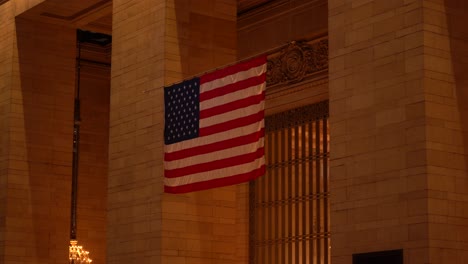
column 201, row 141
column 231, row 97
column 241, row 112
column 215, row 174
column 228, row 150
column 233, row 78
column 213, row 156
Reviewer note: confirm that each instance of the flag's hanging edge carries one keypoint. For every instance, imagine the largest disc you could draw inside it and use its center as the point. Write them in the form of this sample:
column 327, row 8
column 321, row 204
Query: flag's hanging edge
column 264, row 53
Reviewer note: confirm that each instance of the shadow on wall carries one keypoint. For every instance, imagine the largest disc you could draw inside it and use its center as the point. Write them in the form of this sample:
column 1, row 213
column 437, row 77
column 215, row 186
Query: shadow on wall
column 42, row 113
column 43, row 106
column 457, row 21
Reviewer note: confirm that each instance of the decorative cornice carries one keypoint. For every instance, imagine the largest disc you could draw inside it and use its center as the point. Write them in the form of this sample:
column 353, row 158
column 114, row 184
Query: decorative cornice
column 297, row 62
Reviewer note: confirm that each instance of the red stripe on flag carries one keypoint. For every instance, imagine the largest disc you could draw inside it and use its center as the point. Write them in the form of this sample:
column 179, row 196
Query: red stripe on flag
column 232, row 87
column 196, row 168
column 229, row 143
column 242, row 66
column 235, row 179
column 239, row 122
column 252, row 100
column 214, row 165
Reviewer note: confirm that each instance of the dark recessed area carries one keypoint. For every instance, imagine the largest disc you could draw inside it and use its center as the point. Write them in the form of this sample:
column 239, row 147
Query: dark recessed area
column 380, row 257
column 93, row 37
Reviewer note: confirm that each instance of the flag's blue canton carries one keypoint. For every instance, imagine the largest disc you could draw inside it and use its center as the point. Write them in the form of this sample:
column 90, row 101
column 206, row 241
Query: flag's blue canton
column 182, row 111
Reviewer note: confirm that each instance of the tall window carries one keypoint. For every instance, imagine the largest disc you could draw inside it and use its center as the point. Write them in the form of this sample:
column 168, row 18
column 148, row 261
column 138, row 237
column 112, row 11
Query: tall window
column 289, row 206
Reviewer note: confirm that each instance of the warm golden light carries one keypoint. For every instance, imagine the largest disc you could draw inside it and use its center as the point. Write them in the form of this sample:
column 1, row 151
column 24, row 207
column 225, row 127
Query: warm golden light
column 77, row 254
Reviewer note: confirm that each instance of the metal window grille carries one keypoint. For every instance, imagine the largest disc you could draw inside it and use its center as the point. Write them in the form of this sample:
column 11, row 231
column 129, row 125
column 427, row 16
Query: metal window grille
column 289, row 206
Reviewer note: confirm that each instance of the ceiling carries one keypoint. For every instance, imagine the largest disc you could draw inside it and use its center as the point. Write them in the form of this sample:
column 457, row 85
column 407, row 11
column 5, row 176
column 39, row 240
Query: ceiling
column 92, row 15
column 244, row 6
column 96, row 15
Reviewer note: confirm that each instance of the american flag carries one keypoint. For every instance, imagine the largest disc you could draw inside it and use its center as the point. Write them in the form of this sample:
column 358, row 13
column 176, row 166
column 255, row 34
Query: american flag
column 214, row 128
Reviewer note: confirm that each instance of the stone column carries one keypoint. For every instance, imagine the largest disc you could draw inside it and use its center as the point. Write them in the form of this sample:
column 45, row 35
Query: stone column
column 135, row 135
column 36, row 91
column 398, row 130
column 6, row 61
column 201, row 227
column 446, row 109
column 156, row 43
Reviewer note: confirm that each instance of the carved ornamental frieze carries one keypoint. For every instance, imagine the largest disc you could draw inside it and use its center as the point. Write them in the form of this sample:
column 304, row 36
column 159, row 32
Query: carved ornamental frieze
column 296, row 62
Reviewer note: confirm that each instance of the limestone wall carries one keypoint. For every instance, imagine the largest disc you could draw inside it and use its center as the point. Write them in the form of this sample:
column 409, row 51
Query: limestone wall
column 39, row 145
column 37, row 81
column 398, row 151
column 157, row 44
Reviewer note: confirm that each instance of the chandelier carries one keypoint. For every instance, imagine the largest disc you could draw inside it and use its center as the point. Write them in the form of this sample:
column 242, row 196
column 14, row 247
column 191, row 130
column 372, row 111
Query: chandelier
column 77, row 254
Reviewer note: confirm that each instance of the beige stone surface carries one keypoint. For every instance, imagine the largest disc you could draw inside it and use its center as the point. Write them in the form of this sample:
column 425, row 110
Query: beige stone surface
column 279, row 24
column 200, row 227
column 6, row 60
column 398, row 132
column 135, row 134
column 145, row 225
column 38, row 184
column 37, row 80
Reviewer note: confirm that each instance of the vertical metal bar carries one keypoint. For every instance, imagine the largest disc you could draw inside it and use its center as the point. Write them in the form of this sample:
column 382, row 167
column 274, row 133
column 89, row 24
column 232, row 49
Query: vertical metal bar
column 304, row 192
column 261, row 225
column 276, row 197
column 296, row 192
column 292, row 200
column 290, row 197
column 268, row 198
column 252, row 222
column 311, row 191
column 284, row 179
column 258, row 220
column 76, row 145
column 317, row 190
column 325, row 189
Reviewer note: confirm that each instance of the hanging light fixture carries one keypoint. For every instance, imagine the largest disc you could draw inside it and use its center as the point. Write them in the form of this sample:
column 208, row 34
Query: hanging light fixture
column 76, row 253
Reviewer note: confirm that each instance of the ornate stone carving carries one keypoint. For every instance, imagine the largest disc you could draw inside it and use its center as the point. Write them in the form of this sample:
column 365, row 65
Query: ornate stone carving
column 296, row 62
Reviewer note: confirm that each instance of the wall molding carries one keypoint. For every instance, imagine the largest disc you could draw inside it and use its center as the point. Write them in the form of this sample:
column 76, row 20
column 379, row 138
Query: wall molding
column 296, row 63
